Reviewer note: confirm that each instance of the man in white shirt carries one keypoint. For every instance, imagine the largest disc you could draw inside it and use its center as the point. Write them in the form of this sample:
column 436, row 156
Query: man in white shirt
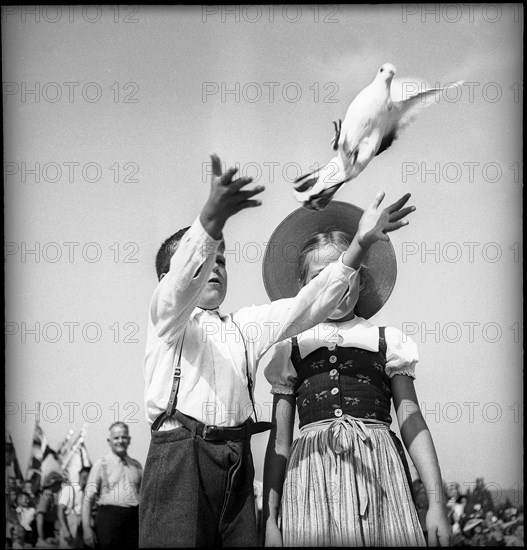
column 199, row 366
column 115, row 479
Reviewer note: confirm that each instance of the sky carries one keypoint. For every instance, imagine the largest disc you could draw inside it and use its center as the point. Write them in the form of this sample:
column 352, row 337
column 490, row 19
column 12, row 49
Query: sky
column 110, row 115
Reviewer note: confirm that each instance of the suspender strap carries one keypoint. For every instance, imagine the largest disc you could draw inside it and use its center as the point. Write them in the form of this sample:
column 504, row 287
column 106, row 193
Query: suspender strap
column 172, row 401
column 105, row 482
column 249, row 379
column 158, row 421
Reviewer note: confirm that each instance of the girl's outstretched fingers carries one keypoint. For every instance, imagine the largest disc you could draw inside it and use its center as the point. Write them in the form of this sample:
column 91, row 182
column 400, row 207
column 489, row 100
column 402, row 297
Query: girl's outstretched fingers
column 397, row 205
column 400, row 214
column 379, row 197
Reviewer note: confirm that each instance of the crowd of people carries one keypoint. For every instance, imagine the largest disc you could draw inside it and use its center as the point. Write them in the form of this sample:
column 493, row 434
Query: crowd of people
column 52, row 516
column 476, row 517
column 100, row 510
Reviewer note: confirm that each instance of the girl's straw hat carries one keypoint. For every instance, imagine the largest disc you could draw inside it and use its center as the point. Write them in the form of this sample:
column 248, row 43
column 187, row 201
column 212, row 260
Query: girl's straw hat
column 280, row 264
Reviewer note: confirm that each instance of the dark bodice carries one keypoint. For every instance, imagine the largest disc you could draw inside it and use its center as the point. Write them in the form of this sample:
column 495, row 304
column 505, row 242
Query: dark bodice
column 342, row 380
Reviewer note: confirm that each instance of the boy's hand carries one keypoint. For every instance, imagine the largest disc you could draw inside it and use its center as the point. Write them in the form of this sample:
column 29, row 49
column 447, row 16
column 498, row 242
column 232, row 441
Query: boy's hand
column 227, row 197
column 375, row 223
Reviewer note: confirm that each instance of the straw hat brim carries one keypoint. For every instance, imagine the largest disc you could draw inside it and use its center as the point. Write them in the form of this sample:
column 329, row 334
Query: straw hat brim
column 280, row 264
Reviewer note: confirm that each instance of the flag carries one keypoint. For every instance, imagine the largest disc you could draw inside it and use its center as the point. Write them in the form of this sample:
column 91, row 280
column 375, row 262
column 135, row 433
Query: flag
column 79, row 460
column 12, row 467
column 76, row 458
column 63, row 447
column 42, row 460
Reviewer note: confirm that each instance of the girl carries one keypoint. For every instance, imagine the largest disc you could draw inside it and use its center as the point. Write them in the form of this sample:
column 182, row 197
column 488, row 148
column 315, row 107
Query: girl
column 344, row 481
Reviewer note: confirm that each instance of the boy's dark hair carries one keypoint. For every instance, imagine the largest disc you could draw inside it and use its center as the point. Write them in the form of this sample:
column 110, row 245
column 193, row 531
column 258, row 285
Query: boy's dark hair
column 166, row 251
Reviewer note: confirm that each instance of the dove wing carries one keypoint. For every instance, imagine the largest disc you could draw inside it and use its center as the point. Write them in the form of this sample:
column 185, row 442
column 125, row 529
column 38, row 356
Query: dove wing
column 409, row 109
column 404, row 112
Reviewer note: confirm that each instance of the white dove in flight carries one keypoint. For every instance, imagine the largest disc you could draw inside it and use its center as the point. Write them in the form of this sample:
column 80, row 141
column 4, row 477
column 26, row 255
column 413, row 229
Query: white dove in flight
column 372, row 122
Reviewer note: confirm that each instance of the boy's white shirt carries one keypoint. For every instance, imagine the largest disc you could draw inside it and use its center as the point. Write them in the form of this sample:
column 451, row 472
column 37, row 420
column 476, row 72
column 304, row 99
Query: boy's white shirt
column 213, row 387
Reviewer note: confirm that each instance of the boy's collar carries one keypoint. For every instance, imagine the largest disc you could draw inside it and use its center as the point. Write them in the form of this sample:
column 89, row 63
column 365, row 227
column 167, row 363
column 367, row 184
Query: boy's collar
column 214, row 312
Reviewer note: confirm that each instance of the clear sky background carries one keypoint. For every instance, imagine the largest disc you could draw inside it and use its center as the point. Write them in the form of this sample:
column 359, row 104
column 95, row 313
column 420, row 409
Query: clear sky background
column 117, row 111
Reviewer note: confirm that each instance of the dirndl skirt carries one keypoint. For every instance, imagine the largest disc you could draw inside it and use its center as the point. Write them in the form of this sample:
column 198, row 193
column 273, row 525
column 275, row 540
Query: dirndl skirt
column 346, row 485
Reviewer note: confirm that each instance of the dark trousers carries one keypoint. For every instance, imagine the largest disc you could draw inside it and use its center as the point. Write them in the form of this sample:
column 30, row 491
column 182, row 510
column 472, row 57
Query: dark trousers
column 117, row 527
column 197, row 493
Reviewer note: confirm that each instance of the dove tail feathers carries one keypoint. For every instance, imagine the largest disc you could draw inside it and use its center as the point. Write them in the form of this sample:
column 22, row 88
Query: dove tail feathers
column 315, row 189
column 305, row 182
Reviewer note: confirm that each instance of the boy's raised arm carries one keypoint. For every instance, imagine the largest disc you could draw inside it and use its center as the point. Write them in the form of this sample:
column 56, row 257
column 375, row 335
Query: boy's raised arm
column 179, row 290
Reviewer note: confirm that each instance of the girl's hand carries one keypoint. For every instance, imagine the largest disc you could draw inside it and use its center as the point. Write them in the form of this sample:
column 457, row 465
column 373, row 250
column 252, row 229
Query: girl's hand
column 375, row 223
column 438, row 527
column 273, row 537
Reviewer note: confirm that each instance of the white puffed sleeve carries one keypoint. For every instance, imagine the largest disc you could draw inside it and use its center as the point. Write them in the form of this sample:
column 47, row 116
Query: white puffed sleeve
column 401, row 353
column 280, row 372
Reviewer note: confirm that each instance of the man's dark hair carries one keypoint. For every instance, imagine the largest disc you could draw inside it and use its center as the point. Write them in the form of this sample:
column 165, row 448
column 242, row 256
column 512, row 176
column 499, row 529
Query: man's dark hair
column 167, row 250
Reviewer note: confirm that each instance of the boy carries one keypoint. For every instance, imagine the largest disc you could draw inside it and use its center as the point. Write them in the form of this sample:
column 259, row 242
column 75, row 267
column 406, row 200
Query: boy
column 47, row 509
column 69, row 510
column 26, row 518
column 199, row 364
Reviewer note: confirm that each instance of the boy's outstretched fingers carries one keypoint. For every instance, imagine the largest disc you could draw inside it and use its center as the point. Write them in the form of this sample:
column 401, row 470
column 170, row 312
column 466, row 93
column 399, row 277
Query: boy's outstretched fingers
column 238, row 183
column 245, row 196
column 216, row 170
column 226, row 179
column 250, row 204
column 216, row 164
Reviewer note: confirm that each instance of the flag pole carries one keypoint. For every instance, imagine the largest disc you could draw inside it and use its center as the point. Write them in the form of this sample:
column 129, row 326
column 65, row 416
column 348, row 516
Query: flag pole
column 62, row 448
column 73, row 449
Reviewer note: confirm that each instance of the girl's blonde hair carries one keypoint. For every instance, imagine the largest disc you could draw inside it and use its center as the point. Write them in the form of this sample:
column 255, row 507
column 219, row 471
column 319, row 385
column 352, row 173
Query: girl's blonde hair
column 326, row 240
